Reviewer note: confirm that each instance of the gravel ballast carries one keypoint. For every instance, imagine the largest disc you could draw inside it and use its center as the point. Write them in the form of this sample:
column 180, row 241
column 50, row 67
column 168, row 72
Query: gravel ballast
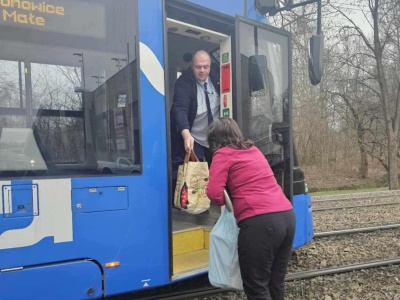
column 375, row 283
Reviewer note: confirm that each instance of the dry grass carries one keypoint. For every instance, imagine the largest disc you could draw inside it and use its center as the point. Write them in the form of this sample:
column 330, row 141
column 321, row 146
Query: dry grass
column 345, row 177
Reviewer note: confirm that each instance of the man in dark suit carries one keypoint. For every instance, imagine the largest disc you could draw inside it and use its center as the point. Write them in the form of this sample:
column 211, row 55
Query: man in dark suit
column 196, row 103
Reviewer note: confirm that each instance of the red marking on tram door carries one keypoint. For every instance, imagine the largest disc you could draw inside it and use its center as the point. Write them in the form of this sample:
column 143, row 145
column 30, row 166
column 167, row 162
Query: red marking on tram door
column 226, row 78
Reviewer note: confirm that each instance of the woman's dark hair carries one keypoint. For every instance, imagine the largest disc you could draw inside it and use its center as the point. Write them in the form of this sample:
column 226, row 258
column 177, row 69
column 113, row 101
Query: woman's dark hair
column 226, row 132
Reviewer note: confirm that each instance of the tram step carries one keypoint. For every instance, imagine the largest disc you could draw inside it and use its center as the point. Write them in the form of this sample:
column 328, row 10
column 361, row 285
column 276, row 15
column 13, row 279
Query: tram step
column 189, row 240
column 190, row 261
column 190, row 250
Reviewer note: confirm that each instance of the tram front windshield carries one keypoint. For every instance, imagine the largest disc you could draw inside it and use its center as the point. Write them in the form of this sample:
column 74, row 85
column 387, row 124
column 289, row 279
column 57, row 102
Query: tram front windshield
column 68, row 87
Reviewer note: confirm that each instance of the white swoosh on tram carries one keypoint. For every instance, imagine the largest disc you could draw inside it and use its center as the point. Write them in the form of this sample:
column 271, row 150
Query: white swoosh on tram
column 54, row 219
column 152, row 68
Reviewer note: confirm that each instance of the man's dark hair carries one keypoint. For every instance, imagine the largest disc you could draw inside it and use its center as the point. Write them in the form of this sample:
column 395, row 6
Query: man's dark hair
column 226, row 132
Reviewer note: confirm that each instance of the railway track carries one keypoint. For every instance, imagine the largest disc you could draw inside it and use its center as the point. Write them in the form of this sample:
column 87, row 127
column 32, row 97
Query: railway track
column 354, row 206
column 355, row 262
column 343, row 219
column 342, row 269
column 351, row 201
column 355, row 230
column 296, row 283
column 342, row 250
column 366, row 283
column 354, row 255
column 366, row 195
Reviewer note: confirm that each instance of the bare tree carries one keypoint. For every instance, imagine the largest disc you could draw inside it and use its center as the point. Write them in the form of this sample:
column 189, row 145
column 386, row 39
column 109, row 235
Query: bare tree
column 315, row 130
column 380, row 46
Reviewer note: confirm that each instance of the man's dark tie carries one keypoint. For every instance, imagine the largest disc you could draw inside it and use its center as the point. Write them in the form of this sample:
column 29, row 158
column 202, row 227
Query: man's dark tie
column 209, row 113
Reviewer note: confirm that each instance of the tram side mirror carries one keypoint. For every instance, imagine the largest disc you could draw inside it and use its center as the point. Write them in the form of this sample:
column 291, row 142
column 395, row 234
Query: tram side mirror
column 266, row 6
column 315, row 59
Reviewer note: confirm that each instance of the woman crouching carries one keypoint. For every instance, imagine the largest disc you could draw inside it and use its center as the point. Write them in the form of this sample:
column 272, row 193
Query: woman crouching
column 263, row 213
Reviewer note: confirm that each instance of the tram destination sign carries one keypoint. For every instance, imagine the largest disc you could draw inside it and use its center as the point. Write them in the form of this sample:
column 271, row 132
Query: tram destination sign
column 61, row 16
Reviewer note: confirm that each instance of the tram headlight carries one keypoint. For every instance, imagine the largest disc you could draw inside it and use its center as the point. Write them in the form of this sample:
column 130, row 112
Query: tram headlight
column 112, row 264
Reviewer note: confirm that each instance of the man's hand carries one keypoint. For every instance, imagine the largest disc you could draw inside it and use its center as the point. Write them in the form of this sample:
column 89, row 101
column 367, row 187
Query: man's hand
column 188, row 140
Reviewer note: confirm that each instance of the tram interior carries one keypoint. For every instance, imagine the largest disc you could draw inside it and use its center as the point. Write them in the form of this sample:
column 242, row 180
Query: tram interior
column 190, row 232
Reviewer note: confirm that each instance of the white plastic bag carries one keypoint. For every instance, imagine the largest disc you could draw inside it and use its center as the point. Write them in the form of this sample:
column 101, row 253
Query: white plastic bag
column 224, row 271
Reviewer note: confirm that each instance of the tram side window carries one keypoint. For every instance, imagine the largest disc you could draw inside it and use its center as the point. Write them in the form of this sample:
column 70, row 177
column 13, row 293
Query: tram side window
column 53, row 90
column 69, row 91
column 264, row 88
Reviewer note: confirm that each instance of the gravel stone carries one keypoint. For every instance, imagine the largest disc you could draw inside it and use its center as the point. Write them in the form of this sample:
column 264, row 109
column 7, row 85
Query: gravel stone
column 381, row 283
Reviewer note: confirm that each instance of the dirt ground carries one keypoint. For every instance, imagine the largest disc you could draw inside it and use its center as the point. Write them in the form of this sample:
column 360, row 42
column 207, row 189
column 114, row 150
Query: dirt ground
column 333, row 178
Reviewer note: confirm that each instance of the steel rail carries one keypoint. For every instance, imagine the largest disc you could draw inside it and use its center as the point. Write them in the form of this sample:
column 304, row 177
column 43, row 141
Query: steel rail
column 341, row 269
column 342, row 197
column 354, row 206
column 289, row 277
column 355, row 230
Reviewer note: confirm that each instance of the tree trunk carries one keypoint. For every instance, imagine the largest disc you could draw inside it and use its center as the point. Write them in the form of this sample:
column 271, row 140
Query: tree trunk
column 392, row 160
column 363, row 171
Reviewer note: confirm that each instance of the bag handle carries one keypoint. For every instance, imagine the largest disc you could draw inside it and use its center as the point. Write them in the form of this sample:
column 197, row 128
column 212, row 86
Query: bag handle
column 228, row 202
column 190, row 156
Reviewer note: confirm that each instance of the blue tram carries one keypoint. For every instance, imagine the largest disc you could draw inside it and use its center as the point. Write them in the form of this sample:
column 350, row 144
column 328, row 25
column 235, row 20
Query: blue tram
column 86, row 87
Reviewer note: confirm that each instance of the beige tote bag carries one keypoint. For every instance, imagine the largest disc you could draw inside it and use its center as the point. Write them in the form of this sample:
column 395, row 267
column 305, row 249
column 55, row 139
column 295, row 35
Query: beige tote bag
column 190, row 192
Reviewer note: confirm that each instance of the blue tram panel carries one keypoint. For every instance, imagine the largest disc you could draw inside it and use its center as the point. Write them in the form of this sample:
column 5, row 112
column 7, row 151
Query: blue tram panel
column 102, row 198
column 232, row 8
column 304, row 222
column 65, row 281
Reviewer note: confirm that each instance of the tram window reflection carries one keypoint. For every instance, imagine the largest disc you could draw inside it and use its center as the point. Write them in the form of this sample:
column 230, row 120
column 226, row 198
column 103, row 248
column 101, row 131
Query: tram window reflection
column 53, row 87
column 11, row 84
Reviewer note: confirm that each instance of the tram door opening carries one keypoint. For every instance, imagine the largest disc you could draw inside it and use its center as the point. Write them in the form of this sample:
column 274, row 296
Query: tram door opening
column 183, row 40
